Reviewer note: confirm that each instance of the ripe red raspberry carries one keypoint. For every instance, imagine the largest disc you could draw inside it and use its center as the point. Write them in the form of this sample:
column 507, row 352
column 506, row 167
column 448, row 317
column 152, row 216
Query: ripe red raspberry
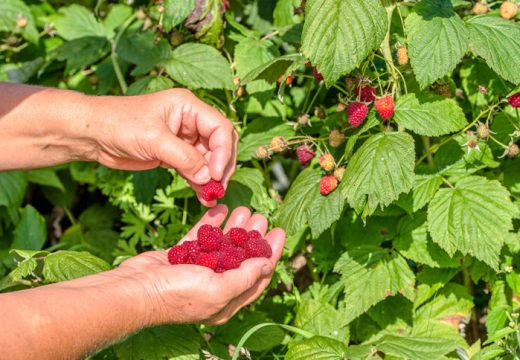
column 177, row 255
column 258, row 248
column 209, row 240
column 254, row 234
column 327, row 162
column 304, row 154
column 238, row 236
column 514, row 100
column 209, row 260
column 317, row 75
column 327, row 184
column 231, row 259
column 288, row 80
column 213, row 190
column 357, row 113
column 385, row 107
column 366, row 93
column 193, row 250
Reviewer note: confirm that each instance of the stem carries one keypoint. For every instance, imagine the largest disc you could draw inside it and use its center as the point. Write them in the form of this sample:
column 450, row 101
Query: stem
column 113, row 54
column 427, row 145
column 185, row 212
column 309, row 106
column 469, row 285
column 386, row 49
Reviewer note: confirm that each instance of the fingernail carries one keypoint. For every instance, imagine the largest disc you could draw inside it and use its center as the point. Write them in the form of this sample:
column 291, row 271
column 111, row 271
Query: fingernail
column 203, row 174
column 266, row 270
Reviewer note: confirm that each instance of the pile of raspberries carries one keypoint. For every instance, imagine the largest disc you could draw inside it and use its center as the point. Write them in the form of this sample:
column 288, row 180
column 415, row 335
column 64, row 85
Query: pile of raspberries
column 219, row 251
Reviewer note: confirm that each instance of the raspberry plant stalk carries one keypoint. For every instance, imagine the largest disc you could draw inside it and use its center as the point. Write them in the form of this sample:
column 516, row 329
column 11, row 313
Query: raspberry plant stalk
column 402, row 220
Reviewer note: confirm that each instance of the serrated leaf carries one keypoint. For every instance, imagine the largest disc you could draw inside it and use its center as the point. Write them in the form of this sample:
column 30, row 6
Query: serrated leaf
column 251, row 53
column 149, row 84
column 416, row 348
column 316, row 348
column 199, row 66
column 414, row 243
column 68, row 265
column 474, row 218
column 82, row 52
column 321, row 319
column 379, row 172
column 76, row 21
column 338, row 35
column 10, row 11
column 498, row 42
column 12, row 189
column 161, row 342
column 371, row 274
column 45, row 177
column 429, row 115
column 30, row 232
column 246, row 186
column 437, row 40
column 284, row 14
column 117, row 16
column 424, row 189
column 175, row 11
column 272, row 70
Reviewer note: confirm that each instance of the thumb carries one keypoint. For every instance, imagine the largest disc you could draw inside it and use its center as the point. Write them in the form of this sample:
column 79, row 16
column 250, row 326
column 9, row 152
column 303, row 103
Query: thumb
column 177, row 154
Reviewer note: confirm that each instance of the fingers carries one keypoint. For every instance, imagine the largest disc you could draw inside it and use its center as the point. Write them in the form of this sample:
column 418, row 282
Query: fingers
column 214, row 217
column 183, row 157
column 238, row 218
column 257, row 222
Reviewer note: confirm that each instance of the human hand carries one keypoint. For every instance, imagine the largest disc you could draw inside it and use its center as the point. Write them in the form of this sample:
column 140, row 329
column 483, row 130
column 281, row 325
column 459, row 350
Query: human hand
column 192, row 293
column 172, row 129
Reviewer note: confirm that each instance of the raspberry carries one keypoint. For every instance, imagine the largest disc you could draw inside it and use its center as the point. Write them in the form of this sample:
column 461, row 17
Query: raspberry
column 238, row 236
column 402, row 56
column 317, row 75
column 351, row 83
column 219, row 270
column 209, row 260
column 254, row 234
column 480, row 8
column 512, row 151
column 514, row 100
column 210, row 240
column 177, row 255
column 443, row 90
column 213, row 190
column 338, row 173
column 483, row 131
column 508, row 10
column 278, row 144
column 303, row 120
column 231, row 259
column 336, row 138
column 262, row 152
column 241, row 91
column 327, row 162
column 385, row 107
column 357, row 113
column 258, row 248
column 21, row 22
column 304, row 154
column 193, row 250
column 320, row 112
column 204, row 231
column 327, row 184
column 288, row 80
column 366, row 93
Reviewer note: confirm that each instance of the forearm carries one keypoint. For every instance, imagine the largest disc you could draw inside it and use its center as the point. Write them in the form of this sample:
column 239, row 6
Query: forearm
column 43, row 127
column 70, row 319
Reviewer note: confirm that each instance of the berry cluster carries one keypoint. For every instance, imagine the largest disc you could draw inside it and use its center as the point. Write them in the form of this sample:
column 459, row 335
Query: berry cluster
column 219, row 251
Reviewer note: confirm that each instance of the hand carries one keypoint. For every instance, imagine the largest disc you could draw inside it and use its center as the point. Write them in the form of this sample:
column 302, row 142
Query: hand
column 192, row 293
column 172, row 129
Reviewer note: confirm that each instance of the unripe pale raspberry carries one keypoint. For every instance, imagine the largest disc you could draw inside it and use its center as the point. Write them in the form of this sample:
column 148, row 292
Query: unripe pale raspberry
column 278, row 144
column 303, row 119
column 480, row 8
column 508, row 10
column 21, row 22
column 336, row 138
column 483, row 131
column 512, row 151
column 262, row 152
column 402, row 56
column 338, row 173
column 327, row 162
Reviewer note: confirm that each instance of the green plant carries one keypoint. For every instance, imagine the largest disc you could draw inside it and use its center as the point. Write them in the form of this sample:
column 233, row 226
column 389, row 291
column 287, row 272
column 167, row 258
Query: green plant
column 414, row 255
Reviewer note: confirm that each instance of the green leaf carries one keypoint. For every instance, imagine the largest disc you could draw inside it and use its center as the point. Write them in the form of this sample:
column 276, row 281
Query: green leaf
column 272, row 70
column 437, row 40
column 424, row 189
column 251, row 53
column 175, row 12
column 414, row 243
column 429, row 115
column 199, row 66
column 417, row 348
column 158, row 343
column 117, row 16
column 474, row 218
column 82, row 52
column 76, row 21
column 498, row 42
column 379, row 172
column 371, row 274
column 10, row 11
column 21, row 72
column 321, row 319
column 31, row 232
column 246, row 187
column 68, row 265
column 12, row 189
column 283, row 13
column 45, row 177
column 149, row 84
column 316, row 348
column 338, row 35
column 324, row 211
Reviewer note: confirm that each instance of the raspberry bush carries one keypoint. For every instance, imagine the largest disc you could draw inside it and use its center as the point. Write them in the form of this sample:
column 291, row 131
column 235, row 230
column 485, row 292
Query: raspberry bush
column 382, row 135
